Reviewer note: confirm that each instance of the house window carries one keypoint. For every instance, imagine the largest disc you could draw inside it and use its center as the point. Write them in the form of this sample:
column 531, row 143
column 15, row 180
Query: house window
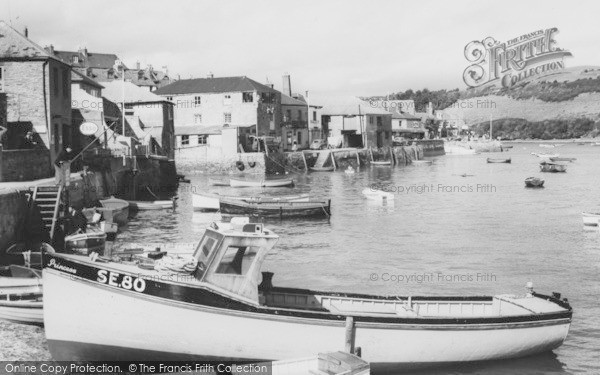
column 267, row 97
column 75, row 59
column 300, row 114
column 55, row 80
column 379, row 121
column 247, row 97
column 288, row 115
column 65, row 83
column 227, row 118
column 170, row 112
column 314, row 115
column 185, row 140
column 370, row 120
column 198, row 118
column 197, row 100
column 1, row 78
column 202, row 139
column 170, row 98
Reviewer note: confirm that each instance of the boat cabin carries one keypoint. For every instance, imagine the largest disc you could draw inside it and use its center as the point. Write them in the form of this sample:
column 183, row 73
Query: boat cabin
column 230, row 255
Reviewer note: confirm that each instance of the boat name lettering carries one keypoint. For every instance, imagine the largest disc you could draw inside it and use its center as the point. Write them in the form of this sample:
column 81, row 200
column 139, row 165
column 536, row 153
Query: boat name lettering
column 54, row 264
column 121, row 281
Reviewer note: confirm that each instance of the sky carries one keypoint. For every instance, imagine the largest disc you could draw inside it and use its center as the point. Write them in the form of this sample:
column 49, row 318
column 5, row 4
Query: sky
column 351, row 47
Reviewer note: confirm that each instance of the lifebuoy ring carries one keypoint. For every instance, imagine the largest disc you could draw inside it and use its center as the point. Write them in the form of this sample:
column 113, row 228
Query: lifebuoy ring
column 240, row 165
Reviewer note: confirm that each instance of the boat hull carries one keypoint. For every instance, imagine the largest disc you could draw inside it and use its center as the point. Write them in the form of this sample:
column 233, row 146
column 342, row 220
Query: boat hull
column 116, row 210
column 590, row 219
column 279, row 209
column 119, row 331
column 211, row 202
column 29, row 312
column 261, row 183
column 553, row 168
column 533, row 182
column 151, row 205
column 490, row 160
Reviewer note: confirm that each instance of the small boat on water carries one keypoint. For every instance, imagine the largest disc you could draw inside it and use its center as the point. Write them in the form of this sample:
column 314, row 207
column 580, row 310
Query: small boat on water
column 284, row 209
column 534, row 182
column 217, row 182
column 377, row 195
column 381, row 162
column 115, row 209
column 21, row 295
column 151, row 205
column 591, row 219
column 210, row 202
column 279, row 182
column 492, row 160
column 421, row 162
column 555, row 159
column 92, row 241
column 216, row 304
column 552, row 167
column 545, row 156
column 321, row 169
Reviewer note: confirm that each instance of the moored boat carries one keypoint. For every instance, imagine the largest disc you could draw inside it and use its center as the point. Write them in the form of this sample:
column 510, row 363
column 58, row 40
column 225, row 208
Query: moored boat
column 321, row 169
column 492, row 160
column 552, row 167
column 381, row 162
column 221, row 306
column 555, row 159
column 279, row 182
column 421, row 162
column 544, row 156
column 115, row 209
column 151, row 205
column 377, row 195
column 218, row 182
column 534, row 182
column 547, row 145
column 21, row 295
column 210, row 201
column 92, row 241
column 591, row 219
column 283, row 209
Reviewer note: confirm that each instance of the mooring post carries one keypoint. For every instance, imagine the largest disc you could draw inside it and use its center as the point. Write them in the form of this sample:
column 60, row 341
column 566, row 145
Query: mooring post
column 392, row 156
column 305, row 165
column 357, row 158
column 349, row 343
column 332, row 160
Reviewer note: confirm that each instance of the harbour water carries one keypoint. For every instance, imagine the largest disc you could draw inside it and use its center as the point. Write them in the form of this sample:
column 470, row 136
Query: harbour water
column 445, row 234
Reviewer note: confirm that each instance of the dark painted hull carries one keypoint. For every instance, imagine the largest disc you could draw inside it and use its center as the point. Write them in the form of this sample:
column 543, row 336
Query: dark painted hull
column 279, row 210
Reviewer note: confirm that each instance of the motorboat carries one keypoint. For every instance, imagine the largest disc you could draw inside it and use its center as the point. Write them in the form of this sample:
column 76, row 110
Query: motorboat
column 210, row 201
column 214, row 305
column 377, row 194
column 21, row 295
column 591, row 219
column 552, row 167
column 562, row 159
column 115, row 209
column 534, row 182
column 280, row 182
column 282, row 209
column 496, row 160
column 151, row 205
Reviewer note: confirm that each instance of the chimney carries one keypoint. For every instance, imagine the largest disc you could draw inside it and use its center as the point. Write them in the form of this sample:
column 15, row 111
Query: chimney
column 50, row 49
column 166, row 69
column 26, row 32
column 269, row 85
column 137, row 65
column 150, row 68
column 210, row 75
column 287, row 85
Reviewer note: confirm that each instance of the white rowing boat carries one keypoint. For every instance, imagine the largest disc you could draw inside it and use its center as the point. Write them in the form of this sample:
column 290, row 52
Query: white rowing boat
column 210, row 202
column 280, row 182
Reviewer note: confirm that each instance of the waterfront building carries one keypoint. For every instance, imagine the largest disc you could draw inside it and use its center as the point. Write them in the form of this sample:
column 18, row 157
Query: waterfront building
column 241, row 103
column 407, row 126
column 349, row 121
column 37, row 86
column 149, row 116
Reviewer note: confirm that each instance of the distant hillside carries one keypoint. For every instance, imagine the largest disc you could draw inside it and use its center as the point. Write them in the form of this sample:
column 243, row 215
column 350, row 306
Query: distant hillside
column 511, row 128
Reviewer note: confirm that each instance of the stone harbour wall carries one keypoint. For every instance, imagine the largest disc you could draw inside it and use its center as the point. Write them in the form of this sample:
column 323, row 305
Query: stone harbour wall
column 25, row 165
column 13, row 211
column 241, row 163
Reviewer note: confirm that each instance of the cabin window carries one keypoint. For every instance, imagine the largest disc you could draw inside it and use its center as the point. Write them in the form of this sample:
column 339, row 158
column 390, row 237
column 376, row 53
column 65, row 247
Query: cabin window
column 185, row 140
column 247, row 97
column 237, row 260
column 1, row 78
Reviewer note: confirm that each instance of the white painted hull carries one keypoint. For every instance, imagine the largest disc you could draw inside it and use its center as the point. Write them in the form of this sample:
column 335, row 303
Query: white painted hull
column 211, row 202
column 590, row 219
column 378, row 195
column 73, row 322
column 261, row 183
column 151, row 205
column 30, row 312
column 205, row 202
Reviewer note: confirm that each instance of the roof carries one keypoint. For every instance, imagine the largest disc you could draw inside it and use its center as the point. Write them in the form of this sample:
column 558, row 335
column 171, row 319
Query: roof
column 116, row 90
column 78, row 77
column 213, row 85
column 15, row 45
column 88, row 59
column 405, row 116
column 347, row 106
column 145, row 77
column 288, row 100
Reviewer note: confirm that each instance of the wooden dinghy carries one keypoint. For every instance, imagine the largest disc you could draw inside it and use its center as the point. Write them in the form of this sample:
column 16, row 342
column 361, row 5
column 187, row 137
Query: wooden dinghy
column 21, row 295
column 284, row 209
column 151, row 205
column 563, row 159
column 92, row 241
column 591, row 219
column 280, row 182
column 492, row 160
column 222, row 307
column 321, row 169
column 115, row 209
column 544, row 156
column 210, row 202
column 534, row 182
column 552, row 167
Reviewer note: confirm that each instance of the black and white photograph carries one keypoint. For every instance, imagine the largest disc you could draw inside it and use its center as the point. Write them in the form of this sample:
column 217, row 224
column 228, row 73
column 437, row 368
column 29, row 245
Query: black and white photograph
column 278, row 187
